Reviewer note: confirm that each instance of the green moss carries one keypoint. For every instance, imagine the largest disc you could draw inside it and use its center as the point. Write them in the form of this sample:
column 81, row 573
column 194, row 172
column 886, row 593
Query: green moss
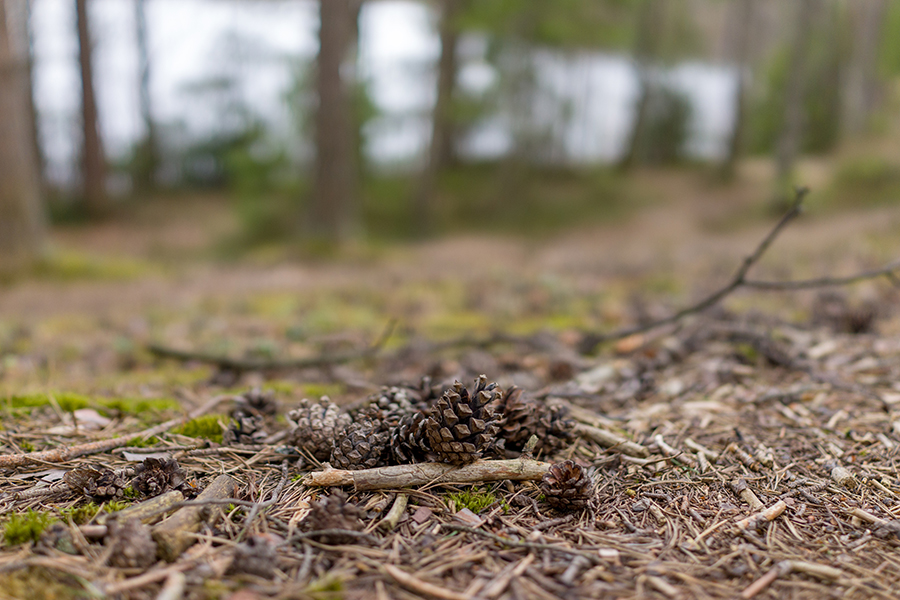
column 27, row 527
column 70, row 266
column 207, row 427
column 80, row 514
column 139, row 407
column 26, row 446
column 474, row 500
column 327, row 587
column 317, row 390
column 143, row 442
column 39, row 584
column 117, row 505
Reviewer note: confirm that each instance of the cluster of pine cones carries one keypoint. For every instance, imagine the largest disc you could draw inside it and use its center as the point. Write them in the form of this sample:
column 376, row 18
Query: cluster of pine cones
column 409, row 424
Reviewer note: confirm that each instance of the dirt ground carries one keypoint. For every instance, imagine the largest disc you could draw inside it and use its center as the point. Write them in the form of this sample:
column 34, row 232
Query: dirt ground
column 780, row 407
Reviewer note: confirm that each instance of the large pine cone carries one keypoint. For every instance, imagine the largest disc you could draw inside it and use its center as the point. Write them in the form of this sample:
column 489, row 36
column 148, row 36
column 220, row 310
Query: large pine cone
column 567, row 486
column 460, row 427
column 334, row 512
column 408, row 443
column 361, row 446
column 522, row 417
column 316, row 425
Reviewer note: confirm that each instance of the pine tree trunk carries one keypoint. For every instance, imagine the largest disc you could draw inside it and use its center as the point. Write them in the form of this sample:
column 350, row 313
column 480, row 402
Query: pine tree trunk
column 147, row 152
column 646, row 51
column 334, row 214
column 22, row 221
column 788, row 145
column 861, row 82
column 93, row 162
column 742, row 28
column 441, row 149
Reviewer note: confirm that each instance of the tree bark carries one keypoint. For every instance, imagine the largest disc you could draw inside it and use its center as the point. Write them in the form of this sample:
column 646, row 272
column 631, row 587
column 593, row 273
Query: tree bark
column 22, row 220
column 788, row 145
column 441, row 149
column 93, row 161
column 147, row 158
column 646, row 51
column 742, row 29
column 861, row 82
column 334, row 211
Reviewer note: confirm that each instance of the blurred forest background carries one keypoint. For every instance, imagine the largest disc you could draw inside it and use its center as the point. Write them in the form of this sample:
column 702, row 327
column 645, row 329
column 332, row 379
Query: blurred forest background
column 318, row 125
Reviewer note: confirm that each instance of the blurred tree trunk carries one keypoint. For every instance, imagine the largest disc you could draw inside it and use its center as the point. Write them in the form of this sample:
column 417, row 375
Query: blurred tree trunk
column 742, row 26
column 93, row 161
column 147, row 155
column 867, row 22
column 334, row 210
column 441, row 152
column 22, row 221
column 34, row 131
column 650, row 20
column 788, row 144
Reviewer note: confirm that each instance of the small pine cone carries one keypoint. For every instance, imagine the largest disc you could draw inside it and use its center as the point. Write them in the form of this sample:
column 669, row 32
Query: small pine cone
column 361, row 446
column 245, row 429
column 99, row 484
column 257, row 556
column 316, row 426
column 334, row 512
column 155, row 476
column 460, row 427
column 567, row 486
column 131, row 544
column 387, row 407
column 522, row 417
column 408, row 443
column 255, row 403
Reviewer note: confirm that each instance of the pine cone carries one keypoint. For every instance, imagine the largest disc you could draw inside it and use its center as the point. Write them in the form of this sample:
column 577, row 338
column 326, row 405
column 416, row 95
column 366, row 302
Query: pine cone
column 334, row 512
column 99, row 484
column 522, row 417
column 567, row 486
column 408, row 443
column 157, row 475
column 460, row 427
column 131, row 544
column 387, row 407
column 255, row 403
column 361, row 446
column 257, row 556
column 316, row 426
column 245, row 429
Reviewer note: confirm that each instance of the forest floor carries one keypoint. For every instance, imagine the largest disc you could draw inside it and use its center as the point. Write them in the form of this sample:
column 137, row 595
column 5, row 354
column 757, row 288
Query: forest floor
column 780, row 401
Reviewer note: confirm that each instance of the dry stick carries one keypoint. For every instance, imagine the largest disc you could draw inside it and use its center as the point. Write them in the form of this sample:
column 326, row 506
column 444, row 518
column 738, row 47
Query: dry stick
column 791, row 566
column 739, row 280
column 259, row 364
column 146, row 510
column 58, row 455
column 393, row 517
column 416, row 585
column 611, row 440
column 173, row 535
column 400, row 476
column 760, row 518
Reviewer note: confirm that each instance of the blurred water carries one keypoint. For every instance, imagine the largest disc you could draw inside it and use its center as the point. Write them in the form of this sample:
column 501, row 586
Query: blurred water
column 196, row 45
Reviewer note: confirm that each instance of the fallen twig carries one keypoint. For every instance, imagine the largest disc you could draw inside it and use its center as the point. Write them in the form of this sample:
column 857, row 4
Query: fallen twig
column 786, row 567
column 400, row 476
column 739, row 280
column 416, row 585
column 173, row 535
column 611, row 440
column 65, row 453
column 761, row 518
